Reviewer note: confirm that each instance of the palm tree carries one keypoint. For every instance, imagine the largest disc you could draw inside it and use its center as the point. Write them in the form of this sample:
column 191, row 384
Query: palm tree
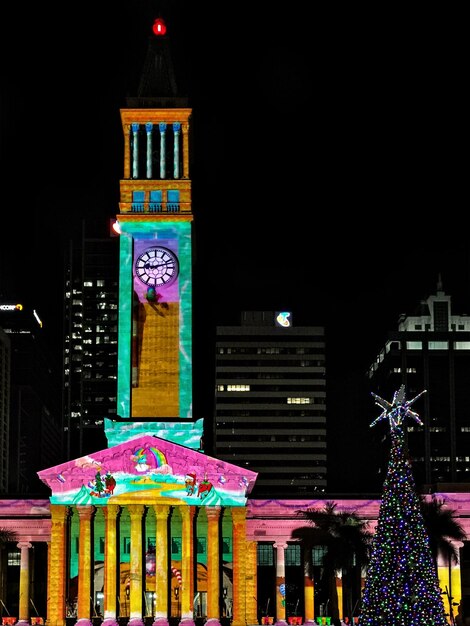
column 443, row 529
column 345, row 543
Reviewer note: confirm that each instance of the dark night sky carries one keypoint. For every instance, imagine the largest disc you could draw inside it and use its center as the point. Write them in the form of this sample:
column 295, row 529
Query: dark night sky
column 330, row 149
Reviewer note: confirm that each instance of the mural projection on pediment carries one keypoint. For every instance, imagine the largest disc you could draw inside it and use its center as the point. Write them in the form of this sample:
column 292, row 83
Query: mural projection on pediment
column 145, row 469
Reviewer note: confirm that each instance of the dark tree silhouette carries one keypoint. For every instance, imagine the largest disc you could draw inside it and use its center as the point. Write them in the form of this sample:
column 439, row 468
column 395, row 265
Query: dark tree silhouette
column 345, row 541
column 7, row 535
column 443, row 529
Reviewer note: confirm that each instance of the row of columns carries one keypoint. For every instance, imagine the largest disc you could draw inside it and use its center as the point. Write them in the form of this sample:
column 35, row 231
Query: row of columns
column 177, row 128
column 244, row 586
column 244, row 568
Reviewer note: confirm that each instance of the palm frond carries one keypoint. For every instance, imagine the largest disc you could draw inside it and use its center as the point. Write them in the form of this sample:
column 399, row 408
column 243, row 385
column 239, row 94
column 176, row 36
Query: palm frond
column 443, row 528
column 6, row 535
column 346, row 543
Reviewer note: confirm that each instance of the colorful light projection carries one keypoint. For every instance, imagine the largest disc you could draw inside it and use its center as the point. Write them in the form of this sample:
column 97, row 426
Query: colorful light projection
column 173, row 309
column 146, row 469
column 184, row 433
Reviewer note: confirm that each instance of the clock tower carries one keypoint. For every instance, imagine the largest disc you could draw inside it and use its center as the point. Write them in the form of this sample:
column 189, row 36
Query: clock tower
column 155, row 293
column 152, row 497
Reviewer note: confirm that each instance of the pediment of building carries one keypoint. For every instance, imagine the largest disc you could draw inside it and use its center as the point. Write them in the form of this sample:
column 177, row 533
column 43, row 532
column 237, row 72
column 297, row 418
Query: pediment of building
column 148, row 470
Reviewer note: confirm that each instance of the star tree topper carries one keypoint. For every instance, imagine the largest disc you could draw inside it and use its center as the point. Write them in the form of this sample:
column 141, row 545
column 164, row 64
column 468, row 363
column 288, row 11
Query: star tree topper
column 397, row 410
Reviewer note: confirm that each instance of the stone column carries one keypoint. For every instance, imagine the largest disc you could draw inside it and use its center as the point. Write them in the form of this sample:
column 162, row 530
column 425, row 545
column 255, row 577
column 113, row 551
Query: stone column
column 213, row 566
column 127, row 151
column 280, row 583
column 339, row 593
column 148, row 130
column 136, row 512
column 57, row 569
column 23, row 612
column 239, row 566
column 110, row 564
column 187, row 565
column 251, row 577
column 84, row 601
column 176, row 150
column 135, row 150
column 161, row 565
column 185, row 128
column 162, row 128
column 309, row 601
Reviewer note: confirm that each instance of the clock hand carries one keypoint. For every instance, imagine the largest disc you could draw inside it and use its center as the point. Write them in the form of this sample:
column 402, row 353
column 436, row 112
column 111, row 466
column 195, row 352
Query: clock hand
column 148, row 266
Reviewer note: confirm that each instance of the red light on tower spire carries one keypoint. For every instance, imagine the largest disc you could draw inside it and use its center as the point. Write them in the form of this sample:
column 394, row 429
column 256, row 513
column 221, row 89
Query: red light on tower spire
column 159, row 26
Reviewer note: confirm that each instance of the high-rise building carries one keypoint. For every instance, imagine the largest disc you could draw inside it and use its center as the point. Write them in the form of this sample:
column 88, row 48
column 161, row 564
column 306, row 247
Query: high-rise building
column 270, row 402
column 430, row 351
column 31, row 428
column 5, row 363
column 90, row 339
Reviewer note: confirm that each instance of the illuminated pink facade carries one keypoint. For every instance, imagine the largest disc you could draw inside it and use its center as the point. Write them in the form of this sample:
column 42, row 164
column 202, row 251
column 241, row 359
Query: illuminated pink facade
column 267, row 521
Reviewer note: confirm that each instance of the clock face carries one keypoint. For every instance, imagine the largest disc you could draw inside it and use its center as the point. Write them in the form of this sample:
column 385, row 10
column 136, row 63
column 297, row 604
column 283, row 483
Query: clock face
column 157, row 267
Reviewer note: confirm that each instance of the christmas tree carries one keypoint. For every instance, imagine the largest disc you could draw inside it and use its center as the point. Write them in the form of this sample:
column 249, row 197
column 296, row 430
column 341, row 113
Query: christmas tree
column 402, row 586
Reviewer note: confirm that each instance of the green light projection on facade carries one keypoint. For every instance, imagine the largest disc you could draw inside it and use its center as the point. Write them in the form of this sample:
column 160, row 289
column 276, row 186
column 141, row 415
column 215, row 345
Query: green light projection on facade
column 137, row 235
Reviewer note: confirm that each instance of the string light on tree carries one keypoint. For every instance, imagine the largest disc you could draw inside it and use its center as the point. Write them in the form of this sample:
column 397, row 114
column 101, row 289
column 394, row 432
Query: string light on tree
column 401, row 588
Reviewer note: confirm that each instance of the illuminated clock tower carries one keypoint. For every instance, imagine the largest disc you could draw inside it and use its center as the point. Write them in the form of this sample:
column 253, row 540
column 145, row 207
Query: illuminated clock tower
column 155, row 292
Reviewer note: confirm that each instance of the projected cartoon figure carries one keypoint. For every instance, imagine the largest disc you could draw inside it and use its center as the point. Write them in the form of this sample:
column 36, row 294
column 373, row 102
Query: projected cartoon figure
column 141, row 464
column 100, row 489
column 110, row 483
column 190, row 483
column 205, row 487
column 150, row 458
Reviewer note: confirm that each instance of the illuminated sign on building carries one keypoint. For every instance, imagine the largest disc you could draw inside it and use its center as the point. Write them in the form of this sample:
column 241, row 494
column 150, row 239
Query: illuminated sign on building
column 11, row 307
column 283, row 319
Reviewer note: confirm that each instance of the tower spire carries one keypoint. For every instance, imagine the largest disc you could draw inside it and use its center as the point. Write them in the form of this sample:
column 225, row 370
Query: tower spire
column 157, row 86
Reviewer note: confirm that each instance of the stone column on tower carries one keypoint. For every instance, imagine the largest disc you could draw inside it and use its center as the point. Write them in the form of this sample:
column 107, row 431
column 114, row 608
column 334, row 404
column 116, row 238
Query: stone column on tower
column 176, row 149
column 185, row 129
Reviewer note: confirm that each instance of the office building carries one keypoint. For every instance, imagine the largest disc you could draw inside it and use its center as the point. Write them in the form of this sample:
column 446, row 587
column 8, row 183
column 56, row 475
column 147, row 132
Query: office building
column 31, row 427
column 90, row 339
column 270, row 402
column 5, row 362
column 430, row 351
